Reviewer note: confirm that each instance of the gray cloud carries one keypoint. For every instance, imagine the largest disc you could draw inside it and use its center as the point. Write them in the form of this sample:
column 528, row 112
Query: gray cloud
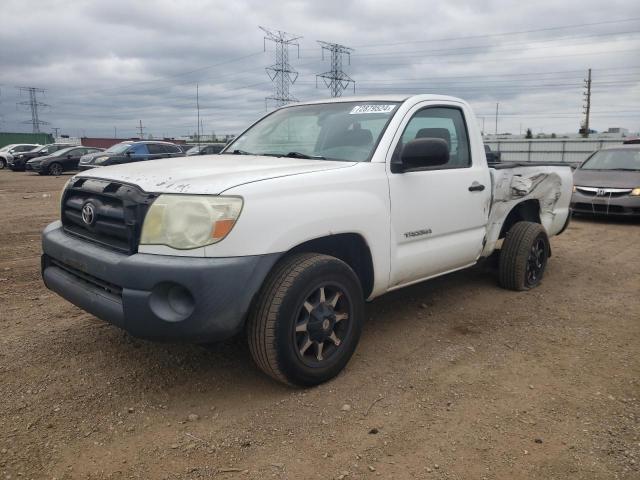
column 111, row 64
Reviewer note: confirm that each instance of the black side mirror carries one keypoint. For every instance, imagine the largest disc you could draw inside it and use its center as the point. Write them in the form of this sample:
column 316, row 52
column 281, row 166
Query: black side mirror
column 68, row 156
column 128, row 154
column 422, row 154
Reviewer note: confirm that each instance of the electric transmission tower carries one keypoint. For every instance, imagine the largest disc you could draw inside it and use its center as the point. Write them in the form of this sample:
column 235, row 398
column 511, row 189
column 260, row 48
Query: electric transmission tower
column 336, row 79
column 281, row 73
column 587, row 105
column 33, row 105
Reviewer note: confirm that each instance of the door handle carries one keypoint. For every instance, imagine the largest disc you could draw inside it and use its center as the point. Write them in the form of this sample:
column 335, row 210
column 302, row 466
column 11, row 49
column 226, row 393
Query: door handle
column 476, row 187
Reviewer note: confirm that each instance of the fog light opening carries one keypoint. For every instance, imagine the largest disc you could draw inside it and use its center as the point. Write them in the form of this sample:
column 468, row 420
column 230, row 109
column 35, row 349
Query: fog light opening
column 171, row 302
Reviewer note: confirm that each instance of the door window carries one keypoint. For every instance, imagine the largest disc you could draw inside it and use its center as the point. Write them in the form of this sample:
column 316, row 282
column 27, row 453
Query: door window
column 445, row 123
column 139, row 149
column 156, row 149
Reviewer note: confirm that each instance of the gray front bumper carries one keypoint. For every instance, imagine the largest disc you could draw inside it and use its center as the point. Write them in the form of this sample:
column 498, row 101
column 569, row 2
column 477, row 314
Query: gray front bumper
column 154, row 296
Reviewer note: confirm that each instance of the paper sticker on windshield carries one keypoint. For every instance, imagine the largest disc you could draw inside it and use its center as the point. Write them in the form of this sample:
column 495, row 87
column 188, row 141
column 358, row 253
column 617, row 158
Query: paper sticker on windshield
column 360, row 109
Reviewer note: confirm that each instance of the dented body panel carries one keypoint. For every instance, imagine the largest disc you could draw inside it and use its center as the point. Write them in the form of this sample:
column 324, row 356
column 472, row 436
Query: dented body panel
column 549, row 186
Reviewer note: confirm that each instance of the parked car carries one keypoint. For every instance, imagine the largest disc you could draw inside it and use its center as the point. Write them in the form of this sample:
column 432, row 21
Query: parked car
column 205, row 149
column 313, row 209
column 60, row 161
column 128, row 152
column 8, row 151
column 632, row 141
column 608, row 182
column 88, row 161
column 492, row 157
column 19, row 161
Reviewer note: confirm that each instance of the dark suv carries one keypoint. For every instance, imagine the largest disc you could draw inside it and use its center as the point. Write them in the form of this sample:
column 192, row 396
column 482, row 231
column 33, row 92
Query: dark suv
column 18, row 162
column 127, row 152
column 60, row 161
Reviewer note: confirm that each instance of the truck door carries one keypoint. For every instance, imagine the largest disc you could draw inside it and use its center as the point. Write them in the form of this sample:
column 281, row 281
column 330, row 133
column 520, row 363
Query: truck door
column 439, row 215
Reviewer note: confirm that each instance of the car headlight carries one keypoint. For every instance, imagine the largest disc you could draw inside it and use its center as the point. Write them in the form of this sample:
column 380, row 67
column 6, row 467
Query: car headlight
column 101, row 160
column 635, row 192
column 189, row 221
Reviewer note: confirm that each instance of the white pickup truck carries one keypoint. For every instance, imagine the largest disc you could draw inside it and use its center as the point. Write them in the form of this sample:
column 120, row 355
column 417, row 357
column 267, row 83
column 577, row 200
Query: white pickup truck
column 314, row 209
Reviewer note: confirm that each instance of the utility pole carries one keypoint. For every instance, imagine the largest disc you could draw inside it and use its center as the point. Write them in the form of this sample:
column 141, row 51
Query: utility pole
column 115, row 132
column 497, row 105
column 55, row 132
column 281, row 73
column 33, row 105
column 336, row 79
column 141, row 130
column 587, row 105
column 198, row 109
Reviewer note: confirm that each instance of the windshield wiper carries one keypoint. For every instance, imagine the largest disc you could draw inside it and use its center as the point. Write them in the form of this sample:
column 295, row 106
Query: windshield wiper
column 294, row 155
column 625, row 169
column 241, row 152
column 304, row 155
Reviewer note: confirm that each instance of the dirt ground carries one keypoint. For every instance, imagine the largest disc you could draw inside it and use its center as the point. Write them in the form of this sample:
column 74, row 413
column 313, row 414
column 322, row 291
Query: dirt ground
column 453, row 379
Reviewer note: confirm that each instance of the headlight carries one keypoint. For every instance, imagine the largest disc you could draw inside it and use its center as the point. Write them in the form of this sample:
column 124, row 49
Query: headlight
column 189, row 221
column 101, row 160
column 635, row 192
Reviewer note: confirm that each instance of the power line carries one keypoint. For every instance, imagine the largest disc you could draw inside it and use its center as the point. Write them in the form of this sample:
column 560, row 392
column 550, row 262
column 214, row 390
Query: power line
column 336, row 79
column 451, row 51
column 490, row 35
column 281, row 73
column 33, row 105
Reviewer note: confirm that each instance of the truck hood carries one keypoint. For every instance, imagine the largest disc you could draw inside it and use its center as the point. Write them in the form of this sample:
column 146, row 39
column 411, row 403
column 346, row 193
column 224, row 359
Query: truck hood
column 606, row 178
column 208, row 174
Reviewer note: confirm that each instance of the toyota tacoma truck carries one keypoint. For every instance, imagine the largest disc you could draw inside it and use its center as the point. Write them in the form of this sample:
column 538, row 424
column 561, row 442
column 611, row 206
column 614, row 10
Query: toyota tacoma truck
column 313, row 210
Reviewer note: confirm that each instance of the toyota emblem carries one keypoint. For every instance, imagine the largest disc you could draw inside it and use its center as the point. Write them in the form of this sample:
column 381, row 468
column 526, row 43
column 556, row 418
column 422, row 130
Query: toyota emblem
column 88, row 213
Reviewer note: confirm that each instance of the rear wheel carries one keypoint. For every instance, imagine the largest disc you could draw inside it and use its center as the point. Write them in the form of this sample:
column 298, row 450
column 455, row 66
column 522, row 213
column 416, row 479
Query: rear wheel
column 307, row 319
column 524, row 256
column 3, row 163
column 55, row 169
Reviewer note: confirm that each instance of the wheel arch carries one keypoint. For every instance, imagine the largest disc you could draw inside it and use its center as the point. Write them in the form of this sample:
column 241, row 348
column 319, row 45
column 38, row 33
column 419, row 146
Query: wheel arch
column 351, row 248
column 527, row 211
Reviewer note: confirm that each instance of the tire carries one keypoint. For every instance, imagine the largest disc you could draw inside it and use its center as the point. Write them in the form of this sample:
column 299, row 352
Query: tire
column 289, row 320
column 524, row 256
column 55, row 169
column 2, row 163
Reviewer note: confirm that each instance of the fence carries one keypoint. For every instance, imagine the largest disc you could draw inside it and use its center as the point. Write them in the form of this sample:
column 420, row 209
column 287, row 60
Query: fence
column 549, row 150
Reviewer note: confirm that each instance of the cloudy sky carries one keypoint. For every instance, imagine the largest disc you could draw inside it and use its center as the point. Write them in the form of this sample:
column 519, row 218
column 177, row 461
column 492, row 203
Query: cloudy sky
column 106, row 65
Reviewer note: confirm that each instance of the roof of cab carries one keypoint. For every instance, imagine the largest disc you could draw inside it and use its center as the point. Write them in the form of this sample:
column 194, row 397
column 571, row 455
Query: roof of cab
column 380, row 98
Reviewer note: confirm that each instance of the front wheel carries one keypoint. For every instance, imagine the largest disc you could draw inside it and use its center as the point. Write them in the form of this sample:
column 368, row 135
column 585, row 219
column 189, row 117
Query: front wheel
column 524, row 256
column 306, row 322
column 2, row 163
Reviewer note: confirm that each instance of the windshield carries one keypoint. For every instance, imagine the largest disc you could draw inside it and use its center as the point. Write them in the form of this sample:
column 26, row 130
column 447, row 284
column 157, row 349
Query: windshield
column 346, row 131
column 6, row 148
column 614, row 160
column 118, row 148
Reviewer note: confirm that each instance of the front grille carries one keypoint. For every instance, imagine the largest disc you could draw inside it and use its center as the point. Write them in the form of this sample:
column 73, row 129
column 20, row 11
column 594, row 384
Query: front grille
column 118, row 212
column 604, row 192
column 599, row 208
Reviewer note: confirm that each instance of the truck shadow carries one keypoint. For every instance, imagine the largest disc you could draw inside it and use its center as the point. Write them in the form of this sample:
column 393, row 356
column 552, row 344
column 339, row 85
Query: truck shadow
column 227, row 366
